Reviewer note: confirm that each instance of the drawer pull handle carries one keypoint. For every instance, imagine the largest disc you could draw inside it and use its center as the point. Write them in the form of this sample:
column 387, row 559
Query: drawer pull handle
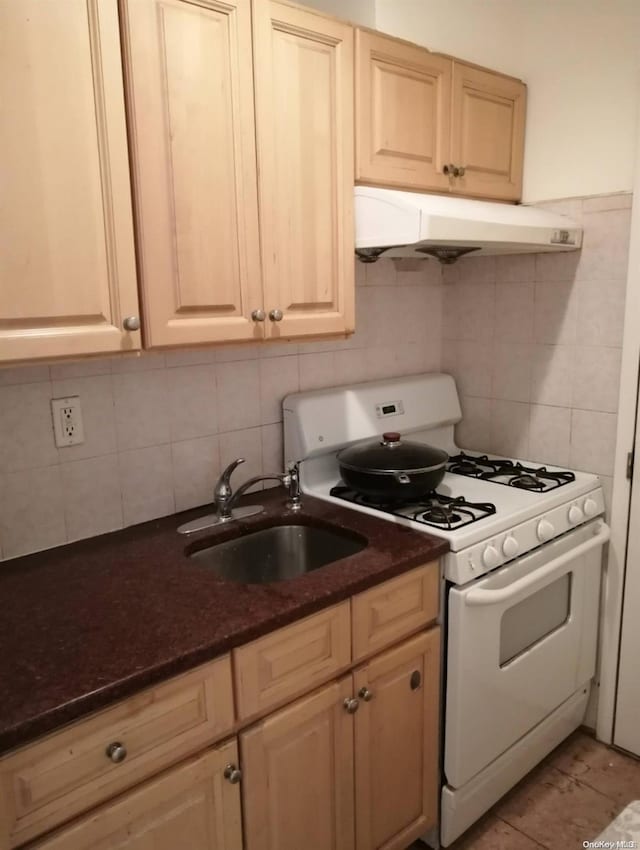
column 416, row 680
column 117, row 752
column 233, row 774
column 351, row 705
column 365, row 694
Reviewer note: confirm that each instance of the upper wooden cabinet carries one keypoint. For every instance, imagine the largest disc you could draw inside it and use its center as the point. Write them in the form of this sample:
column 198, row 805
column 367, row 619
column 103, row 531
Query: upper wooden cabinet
column 429, row 122
column 487, row 132
column 191, row 117
column 403, row 100
column 304, row 113
column 67, row 265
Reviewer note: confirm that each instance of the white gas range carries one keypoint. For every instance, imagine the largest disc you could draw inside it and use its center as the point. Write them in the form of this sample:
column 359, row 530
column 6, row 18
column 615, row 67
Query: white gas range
column 523, row 578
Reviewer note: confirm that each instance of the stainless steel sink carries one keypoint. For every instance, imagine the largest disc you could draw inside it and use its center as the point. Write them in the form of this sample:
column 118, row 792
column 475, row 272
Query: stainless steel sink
column 277, row 553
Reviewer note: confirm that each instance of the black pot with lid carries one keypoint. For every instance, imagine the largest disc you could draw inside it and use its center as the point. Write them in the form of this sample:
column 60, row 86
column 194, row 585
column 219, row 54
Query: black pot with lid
column 392, row 469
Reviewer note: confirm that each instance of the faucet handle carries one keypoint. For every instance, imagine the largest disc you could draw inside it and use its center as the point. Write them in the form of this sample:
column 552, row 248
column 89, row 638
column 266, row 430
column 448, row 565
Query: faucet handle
column 222, row 491
column 228, row 472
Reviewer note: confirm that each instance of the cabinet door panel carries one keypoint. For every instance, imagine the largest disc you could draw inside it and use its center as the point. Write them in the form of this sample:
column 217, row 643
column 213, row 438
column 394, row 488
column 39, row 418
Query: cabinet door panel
column 298, row 775
column 304, row 103
column 487, row 133
column 191, row 806
column 402, row 113
column 396, row 745
column 190, row 95
column 67, row 262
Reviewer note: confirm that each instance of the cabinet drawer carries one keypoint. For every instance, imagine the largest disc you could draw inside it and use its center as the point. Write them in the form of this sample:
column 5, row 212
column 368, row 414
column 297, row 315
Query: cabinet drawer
column 69, row 772
column 389, row 611
column 292, row 660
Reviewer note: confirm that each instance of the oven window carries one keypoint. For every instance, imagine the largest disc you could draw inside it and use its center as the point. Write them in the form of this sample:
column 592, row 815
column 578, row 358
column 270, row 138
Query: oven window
column 528, row 622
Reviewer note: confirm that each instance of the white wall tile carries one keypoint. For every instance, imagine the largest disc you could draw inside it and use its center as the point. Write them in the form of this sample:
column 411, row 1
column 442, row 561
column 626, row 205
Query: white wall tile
column 279, row 376
column 350, row 366
column 98, row 417
column 278, row 349
column 550, row 434
column 144, row 362
column 593, row 441
column 474, row 432
column 469, row 311
column 317, row 371
column 196, row 468
column 92, row 498
column 510, row 428
column 26, row 428
column 147, row 484
column 515, row 311
column 381, row 273
column 238, row 395
column 81, row 368
column 24, row 374
column 596, row 378
column 472, row 365
column 601, row 312
column 515, row 268
column 272, row 451
column 511, row 378
column 240, row 351
column 31, row 511
column 472, row 270
column 605, row 251
column 555, row 321
column 601, row 203
column 192, row 401
column 246, row 443
column 552, row 374
column 557, row 267
column 189, row 357
column 141, row 409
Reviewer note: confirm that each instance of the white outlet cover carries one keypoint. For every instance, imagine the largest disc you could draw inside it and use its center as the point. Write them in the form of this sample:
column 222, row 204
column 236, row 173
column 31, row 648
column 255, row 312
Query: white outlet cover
column 67, row 421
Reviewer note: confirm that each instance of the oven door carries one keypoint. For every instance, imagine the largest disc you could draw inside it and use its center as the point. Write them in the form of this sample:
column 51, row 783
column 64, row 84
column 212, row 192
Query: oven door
column 521, row 641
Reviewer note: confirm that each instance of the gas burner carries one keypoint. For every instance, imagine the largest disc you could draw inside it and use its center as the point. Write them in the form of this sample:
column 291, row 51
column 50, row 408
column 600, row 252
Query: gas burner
column 509, row 473
column 434, row 509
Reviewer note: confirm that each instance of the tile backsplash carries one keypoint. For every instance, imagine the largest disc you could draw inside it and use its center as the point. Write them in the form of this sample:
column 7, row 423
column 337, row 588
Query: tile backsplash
column 158, row 427
column 535, row 343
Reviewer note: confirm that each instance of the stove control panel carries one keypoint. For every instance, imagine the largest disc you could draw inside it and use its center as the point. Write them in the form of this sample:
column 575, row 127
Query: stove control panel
column 463, row 566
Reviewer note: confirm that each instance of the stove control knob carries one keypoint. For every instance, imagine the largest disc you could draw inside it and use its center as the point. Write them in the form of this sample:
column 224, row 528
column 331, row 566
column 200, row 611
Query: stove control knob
column 491, row 557
column 590, row 507
column 510, row 547
column 545, row 530
column 575, row 515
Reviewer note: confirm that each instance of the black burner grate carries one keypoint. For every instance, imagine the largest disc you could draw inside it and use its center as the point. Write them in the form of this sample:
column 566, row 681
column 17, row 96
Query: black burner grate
column 501, row 471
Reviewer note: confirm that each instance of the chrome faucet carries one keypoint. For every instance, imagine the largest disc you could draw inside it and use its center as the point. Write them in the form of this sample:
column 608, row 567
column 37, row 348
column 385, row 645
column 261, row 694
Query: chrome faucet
column 225, row 498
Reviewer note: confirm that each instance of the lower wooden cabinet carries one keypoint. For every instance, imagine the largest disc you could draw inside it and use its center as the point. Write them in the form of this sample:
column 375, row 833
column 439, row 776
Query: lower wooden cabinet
column 396, row 744
column 298, row 775
column 355, row 765
column 192, row 807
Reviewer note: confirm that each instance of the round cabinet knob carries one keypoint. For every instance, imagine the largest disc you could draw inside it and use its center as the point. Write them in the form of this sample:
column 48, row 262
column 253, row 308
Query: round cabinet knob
column 590, row 507
column 117, row 752
column 575, row 515
column 351, row 705
column 545, row 530
column 461, row 171
column 365, row 694
column 258, row 315
column 491, row 557
column 510, row 547
column 276, row 315
column 232, row 773
column 131, row 323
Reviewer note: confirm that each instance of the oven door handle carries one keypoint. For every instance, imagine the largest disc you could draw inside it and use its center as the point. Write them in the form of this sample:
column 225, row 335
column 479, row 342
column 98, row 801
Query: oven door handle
column 478, row 596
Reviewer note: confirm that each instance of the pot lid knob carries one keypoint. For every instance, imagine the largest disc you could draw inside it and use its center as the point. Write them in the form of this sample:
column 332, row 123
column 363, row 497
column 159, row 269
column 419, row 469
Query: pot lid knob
column 390, row 437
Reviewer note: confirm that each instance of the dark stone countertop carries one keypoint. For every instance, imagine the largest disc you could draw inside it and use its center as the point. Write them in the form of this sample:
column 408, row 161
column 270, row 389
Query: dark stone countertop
column 87, row 624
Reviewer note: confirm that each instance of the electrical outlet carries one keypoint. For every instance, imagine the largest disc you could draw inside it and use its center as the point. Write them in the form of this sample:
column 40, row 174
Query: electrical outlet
column 67, row 421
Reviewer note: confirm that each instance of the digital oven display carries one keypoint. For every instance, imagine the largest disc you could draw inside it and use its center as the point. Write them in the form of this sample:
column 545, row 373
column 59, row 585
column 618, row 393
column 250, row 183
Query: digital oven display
column 389, row 408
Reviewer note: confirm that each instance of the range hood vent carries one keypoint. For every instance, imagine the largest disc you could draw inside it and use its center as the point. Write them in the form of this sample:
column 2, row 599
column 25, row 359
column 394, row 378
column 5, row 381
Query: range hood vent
column 407, row 224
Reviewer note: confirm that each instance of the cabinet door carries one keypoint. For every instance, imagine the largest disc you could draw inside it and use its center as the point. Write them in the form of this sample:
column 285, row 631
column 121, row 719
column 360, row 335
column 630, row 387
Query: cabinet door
column 403, row 96
column 487, row 132
column 67, row 264
column 304, row 111
column 298, row 775
column 191, row 116
column 191, row 806
column 396, row 744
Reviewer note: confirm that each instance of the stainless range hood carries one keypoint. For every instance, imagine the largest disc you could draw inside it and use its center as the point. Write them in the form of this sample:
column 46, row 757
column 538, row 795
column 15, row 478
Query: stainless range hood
column 407, row 224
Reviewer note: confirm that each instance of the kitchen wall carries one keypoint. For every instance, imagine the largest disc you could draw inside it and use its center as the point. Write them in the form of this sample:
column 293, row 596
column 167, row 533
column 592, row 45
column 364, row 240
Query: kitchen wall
column 359, row 11
column 534, row 342
column 581, row 61
column 158, row 427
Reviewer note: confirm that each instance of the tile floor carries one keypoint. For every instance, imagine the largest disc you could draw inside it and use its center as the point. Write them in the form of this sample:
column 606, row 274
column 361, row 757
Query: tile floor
column 569, row 798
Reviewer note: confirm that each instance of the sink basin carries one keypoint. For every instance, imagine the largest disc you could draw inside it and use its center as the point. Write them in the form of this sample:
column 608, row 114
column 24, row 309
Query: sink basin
column 277, row 553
